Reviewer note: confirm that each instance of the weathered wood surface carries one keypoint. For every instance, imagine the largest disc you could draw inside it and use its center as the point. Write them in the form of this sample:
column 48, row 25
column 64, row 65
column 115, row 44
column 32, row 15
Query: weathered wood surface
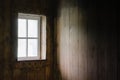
column 10, row 69
column 86, row 40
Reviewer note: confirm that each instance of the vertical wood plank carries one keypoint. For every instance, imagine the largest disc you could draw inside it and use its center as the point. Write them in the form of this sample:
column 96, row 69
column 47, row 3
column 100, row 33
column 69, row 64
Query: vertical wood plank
column 65, row 39
column 7, row 41
column 73, row 43
column 1, row 40
column 82, row 34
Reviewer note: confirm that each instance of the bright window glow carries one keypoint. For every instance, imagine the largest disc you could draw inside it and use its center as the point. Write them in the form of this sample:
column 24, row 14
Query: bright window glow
column 21, row 47
column 29, row 37
column 22, row 27
column 32, row 28
column 32, row 47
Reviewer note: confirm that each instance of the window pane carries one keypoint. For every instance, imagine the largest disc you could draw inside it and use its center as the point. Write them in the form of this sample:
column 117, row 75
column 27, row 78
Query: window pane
column 21, row 27
column 21, row 47
column 32, row 47
column 32, row 28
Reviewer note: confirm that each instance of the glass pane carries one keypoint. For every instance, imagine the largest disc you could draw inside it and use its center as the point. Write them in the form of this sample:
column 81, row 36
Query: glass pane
column 21, row 47
column 21, row 27
column 32, row 47
column 32, row 28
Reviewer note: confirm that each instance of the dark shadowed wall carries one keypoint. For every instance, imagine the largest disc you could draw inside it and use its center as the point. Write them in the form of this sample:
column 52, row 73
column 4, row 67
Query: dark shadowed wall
column 86, row 34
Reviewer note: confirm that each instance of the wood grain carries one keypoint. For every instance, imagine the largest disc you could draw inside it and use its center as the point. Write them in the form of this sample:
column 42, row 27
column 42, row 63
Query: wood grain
column 86, row 48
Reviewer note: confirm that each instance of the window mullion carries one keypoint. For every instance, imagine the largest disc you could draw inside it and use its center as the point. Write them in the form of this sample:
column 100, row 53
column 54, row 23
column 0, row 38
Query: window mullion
column 39, row 36
column 27, row 39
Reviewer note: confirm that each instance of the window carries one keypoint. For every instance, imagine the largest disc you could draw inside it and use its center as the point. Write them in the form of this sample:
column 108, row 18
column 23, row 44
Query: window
column 31, row 37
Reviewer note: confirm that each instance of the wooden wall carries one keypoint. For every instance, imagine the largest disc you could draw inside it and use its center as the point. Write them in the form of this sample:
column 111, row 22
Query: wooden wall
column 1, row 41
column 86, row 34
column 10, row 68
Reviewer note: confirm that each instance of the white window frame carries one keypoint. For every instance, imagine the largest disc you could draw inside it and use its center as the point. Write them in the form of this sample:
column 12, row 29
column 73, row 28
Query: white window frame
column 41, row 54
